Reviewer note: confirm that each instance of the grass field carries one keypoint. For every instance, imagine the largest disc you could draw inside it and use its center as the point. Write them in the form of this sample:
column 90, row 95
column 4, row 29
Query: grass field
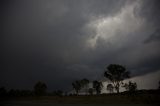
column 95, row 99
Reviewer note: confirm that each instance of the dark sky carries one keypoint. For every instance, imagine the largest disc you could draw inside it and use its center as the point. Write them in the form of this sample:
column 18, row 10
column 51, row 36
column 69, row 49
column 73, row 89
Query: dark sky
column 59, row 41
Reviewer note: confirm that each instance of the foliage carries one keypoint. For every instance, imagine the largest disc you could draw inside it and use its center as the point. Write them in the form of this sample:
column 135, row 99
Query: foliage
column 40, row 88
column 110, row 88
column 116, row 74
column 90, row 90
column 76, row 86
column 17, row 92
column 159, row 85
column 97, row 86
column 130, row 86
column 84, row 84
column 57, row 93
column 3, row 91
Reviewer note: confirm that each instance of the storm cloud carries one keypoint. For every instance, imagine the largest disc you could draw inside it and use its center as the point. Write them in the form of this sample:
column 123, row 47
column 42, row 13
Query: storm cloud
column 59, row 41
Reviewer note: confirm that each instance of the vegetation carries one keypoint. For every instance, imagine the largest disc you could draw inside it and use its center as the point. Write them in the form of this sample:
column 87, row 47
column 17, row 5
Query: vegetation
column 97, row 86
column 90, row 90
column 3, row 91
column 141, row 97
column 56, row 93
column 110, row 88
column 116, row 74
column 76, row 86
column 130, row 86
column 84, row 84
column 159, row 85
column 79, row 84
column 40, row 88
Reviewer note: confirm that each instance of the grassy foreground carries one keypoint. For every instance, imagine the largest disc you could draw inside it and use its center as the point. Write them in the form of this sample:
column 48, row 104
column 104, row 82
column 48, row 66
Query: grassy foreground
column 95, row 99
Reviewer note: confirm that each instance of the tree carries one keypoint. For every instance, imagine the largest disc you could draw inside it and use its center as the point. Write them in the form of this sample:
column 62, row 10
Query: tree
column 12, row 92
column 90, row 90
column 40, row 88
column 3, row 91
column 84, row 84
column 131, row 87
column 26, row 93
column 97, row 86
column 57, row 93
column 110, row 88
column 159, row 85
column 159, row 88
column 76, row 86
column 116, row 74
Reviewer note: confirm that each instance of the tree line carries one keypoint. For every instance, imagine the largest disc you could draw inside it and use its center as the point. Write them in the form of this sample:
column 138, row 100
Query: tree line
column 115, row 73
column 39, row 89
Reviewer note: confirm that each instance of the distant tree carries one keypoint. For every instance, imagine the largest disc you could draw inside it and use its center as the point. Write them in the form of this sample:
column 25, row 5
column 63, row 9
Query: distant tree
column 159, row 85
column 130, row 86
column 12, row 92
column 116, row 74
column 90, row 90
column 76, row 86
column 84, row 84
column 3, row 92
column 159, row 88
column 18, row 93
column 97, row 86
column 65, row 93
column 110, row 88
column 26, row 93
column 57, row 93
column 40, row 88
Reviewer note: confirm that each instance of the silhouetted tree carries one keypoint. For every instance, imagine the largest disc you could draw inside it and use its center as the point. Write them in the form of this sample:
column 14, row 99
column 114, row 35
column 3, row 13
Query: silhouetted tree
column 159, row 88
column 97, row 86
column 90, row 90
column 26, row 93
column 13, row 92
column 40, row 88
column 65, row 93
column 159, row 85
column 110, row 88
column 76, row 86
column 116, row 74
column 130, row 86
column 57, row 93
column 3, row 92
column 18, row 93
column 84, row 84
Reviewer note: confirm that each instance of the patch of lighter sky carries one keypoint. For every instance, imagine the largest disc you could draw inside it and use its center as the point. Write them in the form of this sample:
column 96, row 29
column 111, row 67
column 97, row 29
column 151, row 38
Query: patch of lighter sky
column 147, row 81
column 113, row 28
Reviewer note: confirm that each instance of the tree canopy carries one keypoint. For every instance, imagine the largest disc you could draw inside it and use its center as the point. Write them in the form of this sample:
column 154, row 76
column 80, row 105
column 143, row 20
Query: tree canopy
column 76, row 86
column 116, row 74
column 40, row 88
column 97, row 86
column 110, row 88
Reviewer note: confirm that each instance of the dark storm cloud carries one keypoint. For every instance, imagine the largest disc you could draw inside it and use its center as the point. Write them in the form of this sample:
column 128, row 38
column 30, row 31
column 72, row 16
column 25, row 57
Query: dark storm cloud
column 129, row 48
column 50, row 40
column 155, row 36
column 150, row 10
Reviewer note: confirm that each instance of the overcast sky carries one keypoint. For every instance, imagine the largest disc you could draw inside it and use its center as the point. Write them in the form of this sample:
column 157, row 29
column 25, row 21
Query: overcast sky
column 59, row 41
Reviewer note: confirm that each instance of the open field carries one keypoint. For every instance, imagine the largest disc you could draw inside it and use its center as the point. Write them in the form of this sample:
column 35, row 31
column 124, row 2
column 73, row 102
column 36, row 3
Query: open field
column 95, row 99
